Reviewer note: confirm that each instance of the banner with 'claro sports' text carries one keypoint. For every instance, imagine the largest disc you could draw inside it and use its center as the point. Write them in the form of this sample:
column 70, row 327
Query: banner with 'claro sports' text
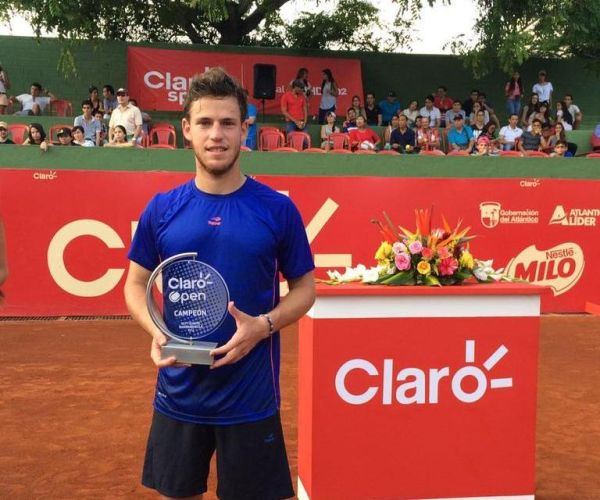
column 159, row 78
column 68, row 232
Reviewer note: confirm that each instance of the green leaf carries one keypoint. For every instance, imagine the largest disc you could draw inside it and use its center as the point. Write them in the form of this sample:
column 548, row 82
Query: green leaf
column 401, row 278
column 431, row 280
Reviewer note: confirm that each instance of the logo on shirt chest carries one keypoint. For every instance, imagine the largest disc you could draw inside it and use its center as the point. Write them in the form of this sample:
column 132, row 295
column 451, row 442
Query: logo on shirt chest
column 214, row 221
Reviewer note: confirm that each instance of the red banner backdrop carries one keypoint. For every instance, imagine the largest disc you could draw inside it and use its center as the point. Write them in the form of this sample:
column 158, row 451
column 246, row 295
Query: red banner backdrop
column 68, row 231
column 159, row 78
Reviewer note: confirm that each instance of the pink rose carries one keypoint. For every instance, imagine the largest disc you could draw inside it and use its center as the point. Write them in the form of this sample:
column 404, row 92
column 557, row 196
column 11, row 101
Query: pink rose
column 402, row 262
column 415, row 247
column 448, row 266
column 399, row 248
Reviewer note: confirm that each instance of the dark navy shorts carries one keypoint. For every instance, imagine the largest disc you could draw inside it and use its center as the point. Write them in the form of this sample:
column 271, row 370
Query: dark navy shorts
column 251, row 459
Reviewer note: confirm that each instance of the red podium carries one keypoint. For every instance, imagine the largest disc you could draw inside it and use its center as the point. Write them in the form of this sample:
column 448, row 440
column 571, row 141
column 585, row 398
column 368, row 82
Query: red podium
column 418, row 392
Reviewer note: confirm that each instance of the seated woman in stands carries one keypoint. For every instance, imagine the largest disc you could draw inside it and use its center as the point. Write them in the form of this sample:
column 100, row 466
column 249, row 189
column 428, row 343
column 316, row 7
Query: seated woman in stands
column 79, row 137
column 476, row 109
column 542, row 114
column 119, row 139
column 428, row 138
column 563, row 116
column 326, row 130
column 411, row 114
column 387, row 133
column 489, row 131
column 358, row 107
column 478, row 123
column 530, row 108
column 37, row 137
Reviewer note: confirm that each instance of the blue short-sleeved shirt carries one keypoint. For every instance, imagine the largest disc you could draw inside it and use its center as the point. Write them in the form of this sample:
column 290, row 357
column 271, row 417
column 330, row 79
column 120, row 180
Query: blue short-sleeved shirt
column 461, row 138
column 249, row 236
column 251, row 139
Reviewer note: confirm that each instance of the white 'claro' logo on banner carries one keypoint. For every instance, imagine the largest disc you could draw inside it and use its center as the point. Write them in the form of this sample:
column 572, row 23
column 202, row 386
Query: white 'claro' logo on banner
column 493, row 214
column 559, row 267
column 575, row 216
column 418, row 386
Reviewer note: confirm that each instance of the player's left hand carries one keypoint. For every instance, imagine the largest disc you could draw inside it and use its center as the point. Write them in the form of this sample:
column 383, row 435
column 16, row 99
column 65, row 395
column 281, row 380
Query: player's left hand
column 250, row 331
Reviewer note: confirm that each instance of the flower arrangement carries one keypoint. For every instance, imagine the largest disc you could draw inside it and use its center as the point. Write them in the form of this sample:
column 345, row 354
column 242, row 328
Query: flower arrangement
column 433, row 257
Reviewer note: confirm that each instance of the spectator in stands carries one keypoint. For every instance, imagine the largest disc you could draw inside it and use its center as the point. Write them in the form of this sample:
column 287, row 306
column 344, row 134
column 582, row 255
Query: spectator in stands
column 455, row 111
column 443, row 103
column 542, row 114
column 127, row 115
column 4, row 86
column 387, row 132
column 483, row 146
column 4, row 139
column 329, row 92
column 418, row 120
column 427, row 138
column 489, row 131
column 109, row 100
column 476, row 109
column 530, row 108
column 561, row 150
column 36, row 102
column 543, row 88
column 564, row 116
column 251, row 138
column 79, row 138
column 533, row 140
column 327, row 129
column 513, row 89
column 363, row 137
column 411, row 114
column 146, row 118
column 302, row 75
column 468, row 104
column 99, row 115
column 510, row 133
column 478, row 124
column 403, row 139
column 95, row 99
column 460, row 136
column 389, row 107
column 574, row 111
column 350, row 123
column 557, row 135
column 65, row 137
column 294, row 107
column 358, row 108
column 372, row 111
column 91, row 126
column 119, row 139
column 431, row 112
column 37, row 137
column 487, row 106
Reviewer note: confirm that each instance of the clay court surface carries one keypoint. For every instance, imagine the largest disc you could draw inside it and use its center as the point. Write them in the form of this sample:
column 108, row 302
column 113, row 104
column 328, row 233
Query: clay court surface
column 75, row 405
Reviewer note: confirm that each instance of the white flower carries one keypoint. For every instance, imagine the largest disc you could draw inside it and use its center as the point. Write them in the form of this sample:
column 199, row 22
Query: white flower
column 371, row 275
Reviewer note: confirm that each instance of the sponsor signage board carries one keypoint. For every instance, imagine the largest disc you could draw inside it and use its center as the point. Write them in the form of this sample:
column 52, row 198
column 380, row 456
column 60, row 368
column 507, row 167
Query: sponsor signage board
column 70, row 236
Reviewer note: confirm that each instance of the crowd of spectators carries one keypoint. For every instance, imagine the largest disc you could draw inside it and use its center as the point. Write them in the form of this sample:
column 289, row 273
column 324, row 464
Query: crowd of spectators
column 113, row 119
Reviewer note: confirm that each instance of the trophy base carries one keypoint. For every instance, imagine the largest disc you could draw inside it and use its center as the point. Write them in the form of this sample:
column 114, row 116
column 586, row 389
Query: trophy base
column 196, row 353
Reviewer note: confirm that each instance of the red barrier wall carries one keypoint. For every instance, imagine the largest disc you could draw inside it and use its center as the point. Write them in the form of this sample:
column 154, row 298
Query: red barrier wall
column 68, row 233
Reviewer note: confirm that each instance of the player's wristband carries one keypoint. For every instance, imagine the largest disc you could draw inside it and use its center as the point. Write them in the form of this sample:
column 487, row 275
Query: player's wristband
column 270, row 322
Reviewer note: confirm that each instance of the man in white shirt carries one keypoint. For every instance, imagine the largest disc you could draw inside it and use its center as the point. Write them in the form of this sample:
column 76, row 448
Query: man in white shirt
column 543, row 88
column 34, row 103
column 574, row 110
column 431, row 112
column 510, row 133
column 127, row 115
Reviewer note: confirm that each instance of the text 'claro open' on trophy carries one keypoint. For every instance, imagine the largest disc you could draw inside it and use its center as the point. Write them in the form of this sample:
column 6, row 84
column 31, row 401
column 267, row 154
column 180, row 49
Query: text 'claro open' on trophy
column 195, row 299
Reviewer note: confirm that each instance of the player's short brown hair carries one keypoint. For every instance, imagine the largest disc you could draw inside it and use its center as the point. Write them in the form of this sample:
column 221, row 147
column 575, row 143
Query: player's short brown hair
column 216, row 83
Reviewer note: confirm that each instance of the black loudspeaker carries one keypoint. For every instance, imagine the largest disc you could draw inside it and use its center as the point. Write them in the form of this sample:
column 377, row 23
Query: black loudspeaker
column 264, row 81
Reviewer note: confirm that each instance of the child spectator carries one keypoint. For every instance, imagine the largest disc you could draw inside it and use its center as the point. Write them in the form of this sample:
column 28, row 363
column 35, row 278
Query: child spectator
column 350, row 122
column 372, row 111
column 65, row 138
column 431, row 112
column 403, row 139
column 561, row 150
column 389, row 107
column 482, row 147
column 363, row 137
column 4, row 86
column 428, row 138
column 4, row 139
column 411, row 114
column 329, row 92
column 79, row 138
column 327, row 129
column 510, row 133
column 99, row 115
column 443, row 103
column 513, row 89
column 543, row 88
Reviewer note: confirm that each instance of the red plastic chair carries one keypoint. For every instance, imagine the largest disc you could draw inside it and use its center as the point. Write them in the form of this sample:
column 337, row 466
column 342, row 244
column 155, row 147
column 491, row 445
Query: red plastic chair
column 161, row 146
column 268, row 140
column 314, row 150
column 364, row 152
column 18, row 132
column 285, row 149
column 593, row 155
column 298, row 140
column 61, row 107
column 460, row 152
column 339, row 140
column 53, row 134
column 163, row 134
column 390, row 152
column 539, row 154
column 511, row 153
column 595, row 142
column 339, row 151
column 432, row 152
